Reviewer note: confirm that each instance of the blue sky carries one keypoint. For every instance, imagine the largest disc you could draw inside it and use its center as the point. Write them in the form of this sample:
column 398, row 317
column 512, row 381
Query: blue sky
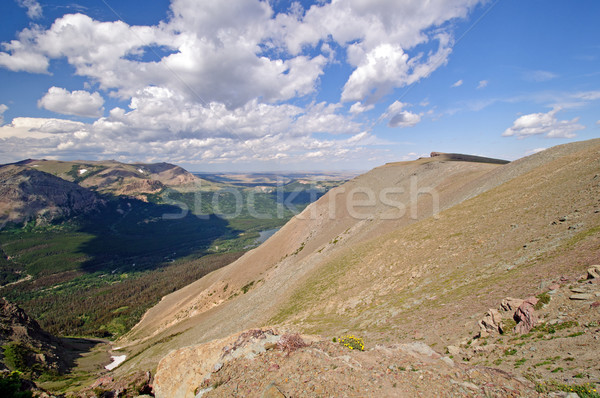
column 248, row 85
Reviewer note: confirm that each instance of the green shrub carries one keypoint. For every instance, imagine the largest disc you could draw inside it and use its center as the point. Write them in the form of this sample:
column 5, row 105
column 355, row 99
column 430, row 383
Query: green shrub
column 15, row 356
column 543, row 299
column 510, row 351
column 10, row 387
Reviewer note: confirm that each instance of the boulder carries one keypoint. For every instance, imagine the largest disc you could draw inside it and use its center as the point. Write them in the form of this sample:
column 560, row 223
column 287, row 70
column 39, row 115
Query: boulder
column 582, row 296
column 593, row 272
column 510, row 304
column 491, row 323
column 554, row 286
column 453, row 350
column 525, row 316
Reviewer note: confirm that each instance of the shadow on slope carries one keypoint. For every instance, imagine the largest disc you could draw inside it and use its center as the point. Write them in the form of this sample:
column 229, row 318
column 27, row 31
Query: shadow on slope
column 138, row 236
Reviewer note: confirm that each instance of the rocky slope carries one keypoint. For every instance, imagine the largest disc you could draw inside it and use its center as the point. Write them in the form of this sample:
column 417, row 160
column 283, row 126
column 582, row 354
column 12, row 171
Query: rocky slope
column 30, row 348
column 259, row 363
column 265, row 276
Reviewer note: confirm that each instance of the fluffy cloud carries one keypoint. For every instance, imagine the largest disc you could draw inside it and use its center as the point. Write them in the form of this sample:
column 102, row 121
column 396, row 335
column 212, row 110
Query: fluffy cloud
column 28, row 127
column 225, row 81
column 55, row 138
column 399, row 117
column 404, row 119
column 543, row 124
column 238, row 53
column 377, row 37
column 457, row 83
column 78, row 103
column 358, row 107
column 34, row 9
column 482, row 84
column 160, row 124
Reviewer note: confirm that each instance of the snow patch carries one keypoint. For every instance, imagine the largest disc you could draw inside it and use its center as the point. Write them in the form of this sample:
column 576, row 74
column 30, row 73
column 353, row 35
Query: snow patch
column 117, row 360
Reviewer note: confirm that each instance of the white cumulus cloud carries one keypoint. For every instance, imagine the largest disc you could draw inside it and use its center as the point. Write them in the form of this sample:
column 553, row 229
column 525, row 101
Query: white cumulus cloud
column 78, row 102
column 543, row 124
column 458, row 83
column 214, row 83
column 358, row 107
column 400, row 117
column 482, row 84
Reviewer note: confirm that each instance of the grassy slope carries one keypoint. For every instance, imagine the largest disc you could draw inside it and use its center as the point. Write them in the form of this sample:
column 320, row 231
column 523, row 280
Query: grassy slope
column 428, row 278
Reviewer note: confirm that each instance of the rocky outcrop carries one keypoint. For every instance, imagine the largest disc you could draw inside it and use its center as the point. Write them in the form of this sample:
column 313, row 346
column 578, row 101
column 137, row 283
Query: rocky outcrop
column 27, row 343
column 136, row 187
column 525, row 316
column 134, row 385
column 466, row 158
column 324, row 369
column 510, row 304
column 491, row 323
column 593, row 272
column 187, row 371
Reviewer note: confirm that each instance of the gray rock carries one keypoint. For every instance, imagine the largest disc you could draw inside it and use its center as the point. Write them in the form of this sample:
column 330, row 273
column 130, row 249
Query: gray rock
column 579, row 290
column 582, row 296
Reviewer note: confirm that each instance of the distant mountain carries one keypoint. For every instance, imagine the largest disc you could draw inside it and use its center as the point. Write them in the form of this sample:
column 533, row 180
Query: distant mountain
column 46, row 190
column 112, row 177
column 29, row 194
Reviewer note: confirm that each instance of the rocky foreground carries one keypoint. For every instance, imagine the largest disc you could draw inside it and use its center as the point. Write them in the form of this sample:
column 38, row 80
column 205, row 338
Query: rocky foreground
column 263, row 363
